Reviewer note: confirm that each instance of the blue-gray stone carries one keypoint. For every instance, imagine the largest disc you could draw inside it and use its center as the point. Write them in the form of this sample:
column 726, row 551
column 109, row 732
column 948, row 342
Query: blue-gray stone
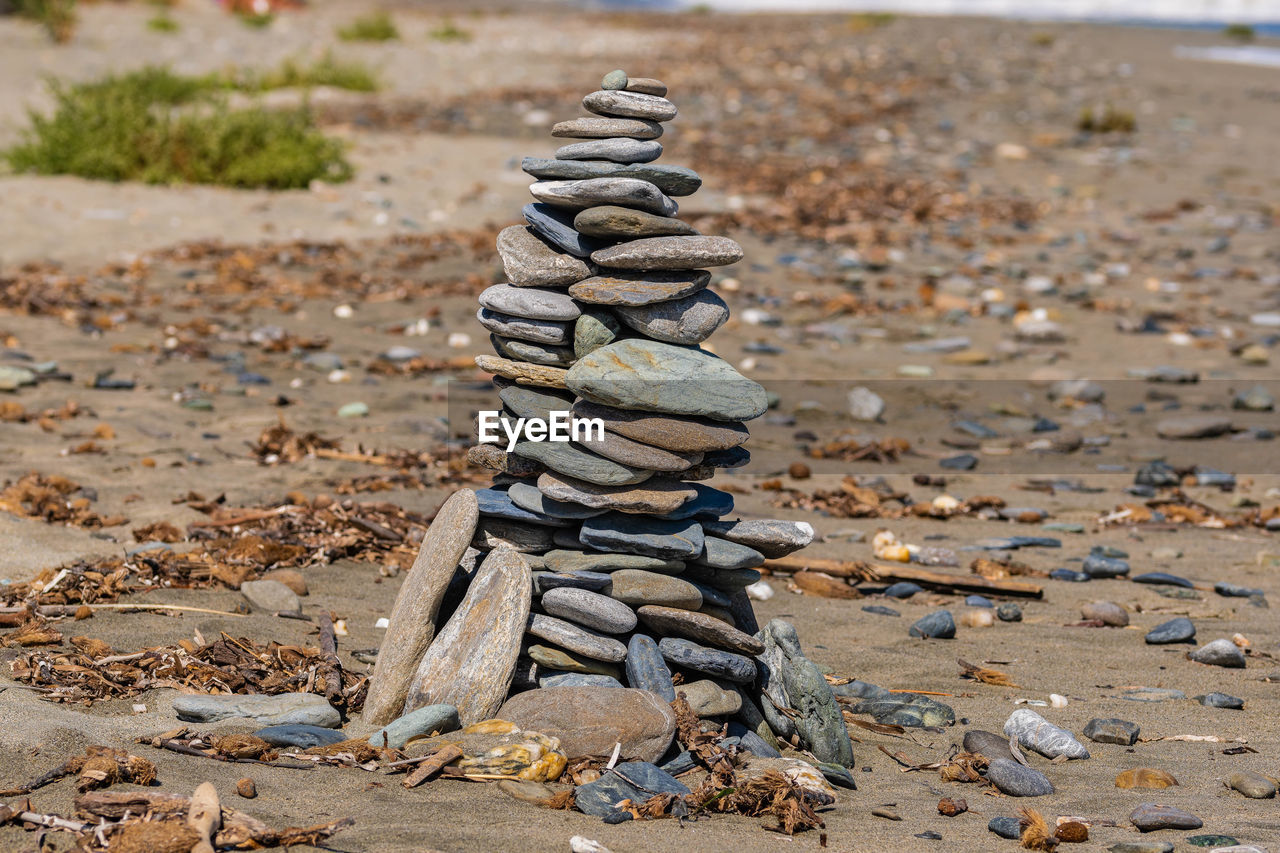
column 1149, row 817
column 903, row 589
column 497, row 503
column 906, row 709
column 1009, row 612
column 634, row 780
column 1070, row 575
column 687, row 654
column 301, row 737
column 528, row 402
column 1180, row 630
column 790, row 680
column 577, row 679
column 880, row 610
column 978, row 601
column 962, row 462
column 682, row 763
column 576, row 461
column 1221, row 700
column 709, row 504
column 756, row 745
column 594, row 581
column 1006, row 827
column 1152, row 694
column 419, row 723
column 650, row 376
column 646, row 668
column 726, row 579
column 1231, row 590
column 936, row 626
column 837, row 775
column 1098, row 566
column 527, row 496
column 644, row 535
column 1162, row 578
column 860, row 690
column 672, row 180
column 1111, row 730
column 556, row 227
column 1016, row 780
column 308, row 709
column 723, row 554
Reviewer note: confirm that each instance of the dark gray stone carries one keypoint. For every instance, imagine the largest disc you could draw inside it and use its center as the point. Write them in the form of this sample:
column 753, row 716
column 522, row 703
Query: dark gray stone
column 906, row 709
column 1180, row 630
column 988, row 744
column 646, row 668
column 687, row 654
column 556, row 227
column 644, row 535
column 635, row 780
column 672, row 180
column 771, row 538
column 1111, row 730
column 1104, row 567
column 938, row 625
column 299, row 737
column 1016, row 780
column 1221, row 700
column 723, row 554
column 1149, row 817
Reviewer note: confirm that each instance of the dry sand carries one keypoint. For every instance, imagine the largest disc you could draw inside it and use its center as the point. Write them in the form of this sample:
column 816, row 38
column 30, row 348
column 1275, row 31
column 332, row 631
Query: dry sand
column 1206, row 133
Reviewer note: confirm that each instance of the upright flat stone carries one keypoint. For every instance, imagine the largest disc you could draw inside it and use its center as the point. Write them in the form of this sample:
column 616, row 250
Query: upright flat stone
column 637, row 454
column 471, row 662
column 604, row 128
column 625, row 192
column 790, row 680
column 572, row 460
column 643, row 374
column 672, row 180
column 530, row 302
column 629, row 105
column 681, row 435
column 620, row 150
column 772, row 538
column 529, row 261
column 688, row 320
column 611, row 222
column 556, row 227
column 645, row 535
column 702, row 627
column 413, row 617
column 723, row 554
column 646, row 668
column 524, row 329
column 653, row 496
column 638, row 288
column 670, row 253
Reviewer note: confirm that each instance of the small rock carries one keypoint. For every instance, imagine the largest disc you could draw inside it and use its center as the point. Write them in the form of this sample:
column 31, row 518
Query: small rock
column 1152, row 816
column 708, row 699
column 988, row 744
column 1180, row 630
column 936, row 626
column 1145, row 777
column 278, row 710
column 1009, row 612
column 1252, row 785
column 1142, row 847
column 1219, row 653
column 300, row 737
column 865, row 404
column 1036, row 733
column 635, row 780
column 1006, row 827
column 271, row 596
column 1221, row 700
column 1106, row 612
column 420, row 723
column 1111, row 730
column 246, row 788
column 590, row 720
column 1016, row 780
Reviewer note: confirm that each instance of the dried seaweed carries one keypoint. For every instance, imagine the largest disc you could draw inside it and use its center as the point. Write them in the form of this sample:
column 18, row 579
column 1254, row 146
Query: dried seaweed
column 986, row 676
column 98, row 767
column 279, row 443
column 53, row 499
column 1035, row 830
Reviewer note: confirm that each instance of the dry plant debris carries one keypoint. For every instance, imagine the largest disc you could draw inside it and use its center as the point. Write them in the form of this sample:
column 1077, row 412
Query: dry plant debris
column 53, row 499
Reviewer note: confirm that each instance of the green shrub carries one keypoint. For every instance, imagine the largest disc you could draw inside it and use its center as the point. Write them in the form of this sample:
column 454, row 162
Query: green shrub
column 374, row 27
column 256, row 21
column 449, row 31
column 1042, row 39
column 161, row 128
column 58, row 17
column 162, row 23
column 327, row 71
column 1239, row 32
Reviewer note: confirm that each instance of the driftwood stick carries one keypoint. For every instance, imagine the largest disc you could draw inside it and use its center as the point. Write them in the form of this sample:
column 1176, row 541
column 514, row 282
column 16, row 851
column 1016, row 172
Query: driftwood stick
column 331, row 669
column 425, row 770
column 183, row 749
column 70, row 609
column 937, row 581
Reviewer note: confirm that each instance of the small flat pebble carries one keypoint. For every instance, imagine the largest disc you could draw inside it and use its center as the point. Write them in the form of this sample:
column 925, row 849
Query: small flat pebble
column 1221, row 700
column 708, row 699
column 1016, row 780
column 615, row 222
column 1252, row 785
column 1149, row 817
column 606, row 128
column 1106, row 612
column 619, row 150
column 1009, row 612
column 589, row 609
column 687, row 654
column 1219, row 653
column 1111, row 730
column 938, row 625
column 624, row 104
column 1007, row 827
column 575, row 638
column 670, row 253
column 637, row 588
column 1179, row 630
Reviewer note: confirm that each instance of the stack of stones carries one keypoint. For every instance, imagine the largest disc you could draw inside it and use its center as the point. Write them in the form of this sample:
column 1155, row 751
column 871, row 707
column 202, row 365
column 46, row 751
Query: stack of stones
column 607, row 553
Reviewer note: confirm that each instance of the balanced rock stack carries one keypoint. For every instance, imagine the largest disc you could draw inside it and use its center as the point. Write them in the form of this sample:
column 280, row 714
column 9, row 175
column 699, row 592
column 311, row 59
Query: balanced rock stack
column 606, row 572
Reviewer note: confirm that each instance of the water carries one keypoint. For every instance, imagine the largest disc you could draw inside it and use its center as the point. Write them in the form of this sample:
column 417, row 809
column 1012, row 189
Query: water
column 1268, row 57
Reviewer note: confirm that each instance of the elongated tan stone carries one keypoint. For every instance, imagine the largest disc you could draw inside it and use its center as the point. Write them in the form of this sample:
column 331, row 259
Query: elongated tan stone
column 655, row 496
column 522, row 372
column 413, row 618
column 471, row 662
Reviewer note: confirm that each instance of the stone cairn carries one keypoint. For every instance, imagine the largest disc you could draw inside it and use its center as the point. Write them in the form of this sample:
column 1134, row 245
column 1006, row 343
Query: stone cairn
column 603, row 564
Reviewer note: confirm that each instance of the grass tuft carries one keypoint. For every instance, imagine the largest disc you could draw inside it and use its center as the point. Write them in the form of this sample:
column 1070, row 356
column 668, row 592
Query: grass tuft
column 327, row 71
column 1110, row 120
column 1239, row 32
column 449, row 31
column 377, row 26
column 161, row 128
column 162, row 22
column 58, row 17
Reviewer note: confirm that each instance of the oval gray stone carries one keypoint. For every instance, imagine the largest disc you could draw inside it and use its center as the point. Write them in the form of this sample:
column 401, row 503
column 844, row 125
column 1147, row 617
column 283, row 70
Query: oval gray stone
column 705, row 629
column 1111, row 730
column 1219, row 653
column 581, row 464
column 526, row 402
column 619, row 150
column 635, row 587
column 611, row 222
column 629, row 105
column 653, row 496
column 412, row 624
column 625, row 192
column 529, row 261
column 530, row 302
column 658, row 377
column 646, row 669
column 672, row 180
column 1016, row 780
column 688, row 320
column 639, row 288
column 772, row 538
column 1193, row 426
column 708, row 699
column 1106, row 612
column 687, row 654
column 1179, row 630
column 575, row 638
column 987, row 744
column 522, row 328
column 590, row 720
column 1036, row 733
column 604, row 128
column 670, row 253
column 283, row 709
column 1149, row 817
column 527, row 351
column 584, row 561
column 470, row 663
column 420, row 723
column 590, row 609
